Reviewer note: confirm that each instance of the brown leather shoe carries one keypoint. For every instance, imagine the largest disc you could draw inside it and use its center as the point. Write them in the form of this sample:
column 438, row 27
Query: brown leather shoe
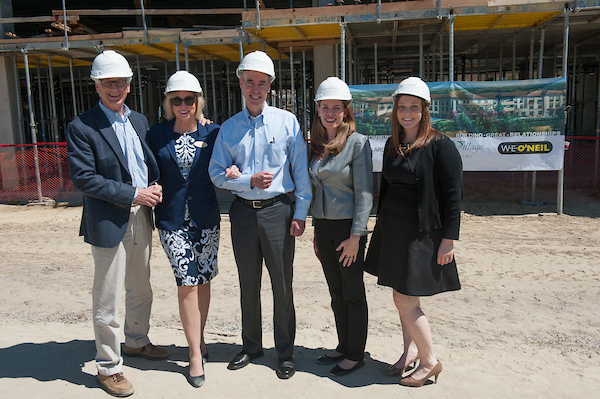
column 149, row 351
column 116, row 384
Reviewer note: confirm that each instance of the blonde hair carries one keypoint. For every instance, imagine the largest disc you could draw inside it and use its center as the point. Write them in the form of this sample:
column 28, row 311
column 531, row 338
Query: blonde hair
column 318, row 134
column 425, row 134
column 168, row 107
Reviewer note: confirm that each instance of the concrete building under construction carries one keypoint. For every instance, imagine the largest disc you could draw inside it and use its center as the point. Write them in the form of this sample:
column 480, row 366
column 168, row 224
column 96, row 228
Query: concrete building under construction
column 48, row 46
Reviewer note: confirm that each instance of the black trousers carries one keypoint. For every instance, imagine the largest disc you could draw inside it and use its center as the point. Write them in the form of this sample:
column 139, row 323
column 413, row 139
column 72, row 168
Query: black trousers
column 346, row 286
column 259, row 234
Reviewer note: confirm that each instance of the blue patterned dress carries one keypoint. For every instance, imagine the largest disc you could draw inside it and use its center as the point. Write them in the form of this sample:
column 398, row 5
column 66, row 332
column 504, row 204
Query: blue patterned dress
column 192, row 252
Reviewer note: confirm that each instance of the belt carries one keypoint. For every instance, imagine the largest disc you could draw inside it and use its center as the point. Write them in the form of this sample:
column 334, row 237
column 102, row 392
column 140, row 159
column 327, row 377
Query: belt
column 260, row 204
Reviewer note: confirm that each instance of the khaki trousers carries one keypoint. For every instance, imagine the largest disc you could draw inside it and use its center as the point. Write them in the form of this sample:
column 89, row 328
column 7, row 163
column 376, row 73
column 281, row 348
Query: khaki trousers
column 126, row 264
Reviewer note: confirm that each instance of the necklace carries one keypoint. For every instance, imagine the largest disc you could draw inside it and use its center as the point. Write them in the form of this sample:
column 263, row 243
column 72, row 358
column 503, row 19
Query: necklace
column 186, row 132
column 404, row 148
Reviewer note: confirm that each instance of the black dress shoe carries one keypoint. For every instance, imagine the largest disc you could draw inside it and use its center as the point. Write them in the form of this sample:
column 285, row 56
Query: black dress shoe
column 337, row 371
column 325, row 360
column 242, row 359
column 286, row 368
column 196, row 382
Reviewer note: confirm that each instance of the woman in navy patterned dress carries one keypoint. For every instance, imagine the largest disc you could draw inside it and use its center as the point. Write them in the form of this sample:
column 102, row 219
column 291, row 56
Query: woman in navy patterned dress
column 188, row 218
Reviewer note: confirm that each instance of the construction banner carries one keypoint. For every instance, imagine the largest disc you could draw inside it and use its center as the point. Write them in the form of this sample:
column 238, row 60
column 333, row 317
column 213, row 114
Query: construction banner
column 513, row 125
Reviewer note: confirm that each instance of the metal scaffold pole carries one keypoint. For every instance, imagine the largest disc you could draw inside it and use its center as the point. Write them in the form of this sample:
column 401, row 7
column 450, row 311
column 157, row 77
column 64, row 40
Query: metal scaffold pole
column 451, row 49
column 514, row 57
column 81, row 100
column 241, row 49
column 500, row 71
column 279, row 83
column 73, row 88
column 421, row 71
column 376, row 63
column 304, row 106
column 41, row 100
column 561, row 173
column 539, row 76
column 531, row 53
column 337, row 60
column 214, row 89
column 204, row 78
column 54, row 121
column 292, row 90
column 228, row 91
column 597, row 152
column 139, row 73
column 441, row 58
column 19, row 102
column 187, row 58
column 343, row 51
column 38, row 180
column 55, row 134
column 541, row 56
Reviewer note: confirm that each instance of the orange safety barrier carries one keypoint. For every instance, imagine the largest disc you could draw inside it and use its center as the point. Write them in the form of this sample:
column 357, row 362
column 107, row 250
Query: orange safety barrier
column 18, row 173
column 18, row 176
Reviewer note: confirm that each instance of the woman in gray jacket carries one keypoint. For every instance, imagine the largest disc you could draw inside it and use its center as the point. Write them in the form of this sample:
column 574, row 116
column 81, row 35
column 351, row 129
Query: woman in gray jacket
column 341, row 174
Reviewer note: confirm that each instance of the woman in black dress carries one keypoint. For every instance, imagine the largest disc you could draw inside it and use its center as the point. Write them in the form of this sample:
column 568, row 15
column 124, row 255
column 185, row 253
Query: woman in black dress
column 419, row 218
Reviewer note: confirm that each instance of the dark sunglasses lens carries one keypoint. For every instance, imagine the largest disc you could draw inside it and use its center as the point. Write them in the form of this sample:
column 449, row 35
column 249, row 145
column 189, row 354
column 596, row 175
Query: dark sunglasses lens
column 118, row 83
column 189, row 101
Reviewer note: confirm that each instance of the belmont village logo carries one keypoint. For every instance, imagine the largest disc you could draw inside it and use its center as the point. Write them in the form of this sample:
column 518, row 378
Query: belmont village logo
column 536, row 147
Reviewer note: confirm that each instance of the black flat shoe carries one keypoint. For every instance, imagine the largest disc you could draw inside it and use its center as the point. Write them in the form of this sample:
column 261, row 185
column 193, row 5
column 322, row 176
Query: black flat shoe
column 242, row 359
column 337, row 371
column 286, row 368
column 325, row 360
column 196, row 382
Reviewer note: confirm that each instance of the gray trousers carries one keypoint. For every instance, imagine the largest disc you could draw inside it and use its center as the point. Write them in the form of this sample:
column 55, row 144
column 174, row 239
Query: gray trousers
column 127, row 263
column 259, row 234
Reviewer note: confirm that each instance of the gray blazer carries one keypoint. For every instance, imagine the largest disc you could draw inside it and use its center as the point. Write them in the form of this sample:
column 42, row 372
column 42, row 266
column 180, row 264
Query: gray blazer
column 343, row 184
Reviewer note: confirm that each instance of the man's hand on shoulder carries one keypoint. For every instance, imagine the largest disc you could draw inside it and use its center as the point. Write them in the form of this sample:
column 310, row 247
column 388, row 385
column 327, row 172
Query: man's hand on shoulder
column 297, row 227
column 149, row 196
column 204, row 121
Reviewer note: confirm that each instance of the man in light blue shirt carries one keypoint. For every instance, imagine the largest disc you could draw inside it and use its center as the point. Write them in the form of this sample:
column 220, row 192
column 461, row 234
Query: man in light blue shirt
column 252, row 158
column 130, row 144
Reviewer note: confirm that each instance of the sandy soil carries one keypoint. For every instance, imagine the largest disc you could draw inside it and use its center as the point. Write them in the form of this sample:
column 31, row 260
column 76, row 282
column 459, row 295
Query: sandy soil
column 526, row 323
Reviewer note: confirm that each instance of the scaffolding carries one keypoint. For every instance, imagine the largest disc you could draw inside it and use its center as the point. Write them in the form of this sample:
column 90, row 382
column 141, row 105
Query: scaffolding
column 443, row 40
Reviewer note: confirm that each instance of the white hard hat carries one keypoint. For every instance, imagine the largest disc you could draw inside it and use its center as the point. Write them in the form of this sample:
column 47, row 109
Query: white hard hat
column 333, row 88
column 110, row 64
column 257, row 61
column 183, row 81
column 413, row 87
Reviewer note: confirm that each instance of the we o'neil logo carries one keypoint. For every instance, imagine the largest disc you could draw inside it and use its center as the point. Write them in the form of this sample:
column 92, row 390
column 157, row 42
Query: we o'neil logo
column 536, row 147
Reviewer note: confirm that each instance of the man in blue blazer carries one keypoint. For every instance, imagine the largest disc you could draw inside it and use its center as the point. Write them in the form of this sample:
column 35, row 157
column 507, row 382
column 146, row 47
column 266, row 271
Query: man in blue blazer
column 112, row 165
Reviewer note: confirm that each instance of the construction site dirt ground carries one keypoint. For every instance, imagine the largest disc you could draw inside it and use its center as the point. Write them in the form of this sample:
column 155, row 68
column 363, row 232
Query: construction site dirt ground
column 526, row 323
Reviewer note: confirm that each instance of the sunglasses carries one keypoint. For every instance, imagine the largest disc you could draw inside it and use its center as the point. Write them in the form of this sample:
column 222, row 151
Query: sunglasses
column 189, row 101
column 118, row 82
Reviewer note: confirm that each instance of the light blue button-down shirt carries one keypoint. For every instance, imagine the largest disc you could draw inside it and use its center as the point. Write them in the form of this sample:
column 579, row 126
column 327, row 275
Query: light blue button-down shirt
column 269, row 142
column 130, row 144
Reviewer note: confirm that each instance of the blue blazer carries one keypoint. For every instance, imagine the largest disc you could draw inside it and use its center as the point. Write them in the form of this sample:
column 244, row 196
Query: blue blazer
column 197, row 190
column 99, row 170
